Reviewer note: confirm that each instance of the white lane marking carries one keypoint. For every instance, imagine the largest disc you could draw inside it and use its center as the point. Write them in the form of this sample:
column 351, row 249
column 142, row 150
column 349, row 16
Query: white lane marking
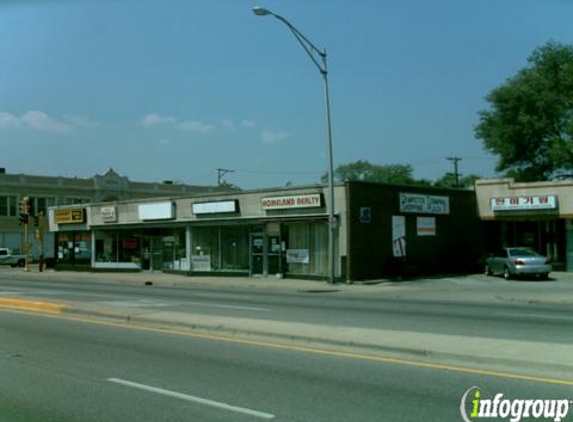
column 215, row 305
column 194, row 399
column 152, row 304
column 535, row 316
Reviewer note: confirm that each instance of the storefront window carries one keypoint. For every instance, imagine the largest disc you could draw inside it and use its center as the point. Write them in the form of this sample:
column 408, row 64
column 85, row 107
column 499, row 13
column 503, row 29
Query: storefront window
column 179, row 253
column 235, row 248
column 115, row 249
column 205, row 249
column 220, row 248
column 308, row 246
column 74, row 248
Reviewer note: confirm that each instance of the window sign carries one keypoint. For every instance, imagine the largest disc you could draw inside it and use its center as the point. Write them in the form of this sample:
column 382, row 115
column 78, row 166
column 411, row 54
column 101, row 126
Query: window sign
column 156, row 211
column 294, row 201
column 426, row 226
column 201, row 262
column 398, row 236
column 297, row 256
column 516, row 203
column 424, row 204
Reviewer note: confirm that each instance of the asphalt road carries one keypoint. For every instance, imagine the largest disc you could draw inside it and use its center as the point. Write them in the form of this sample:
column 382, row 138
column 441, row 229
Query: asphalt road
column 53, row 369
column 427, row 313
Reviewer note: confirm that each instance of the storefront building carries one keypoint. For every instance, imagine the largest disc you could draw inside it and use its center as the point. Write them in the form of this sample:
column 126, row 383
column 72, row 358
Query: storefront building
column 48, row 191
column 538, row 215
column 381, row 230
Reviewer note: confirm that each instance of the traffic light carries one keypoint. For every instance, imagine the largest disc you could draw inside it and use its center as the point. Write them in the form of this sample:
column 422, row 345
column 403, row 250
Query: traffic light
column 24, row 215
column 23, row 218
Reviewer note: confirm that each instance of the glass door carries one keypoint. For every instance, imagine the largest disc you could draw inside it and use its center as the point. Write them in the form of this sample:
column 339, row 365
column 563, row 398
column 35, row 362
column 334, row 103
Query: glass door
column 257, row 254
column 274, row 254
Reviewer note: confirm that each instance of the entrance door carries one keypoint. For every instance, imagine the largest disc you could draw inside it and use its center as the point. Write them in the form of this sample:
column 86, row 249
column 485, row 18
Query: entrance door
column 156, row 253
column 257, row 254
column 274, row 254
column 152, row 253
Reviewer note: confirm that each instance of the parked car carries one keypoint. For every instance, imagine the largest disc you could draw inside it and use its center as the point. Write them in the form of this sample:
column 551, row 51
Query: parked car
column 516, row 261
column 7, row 258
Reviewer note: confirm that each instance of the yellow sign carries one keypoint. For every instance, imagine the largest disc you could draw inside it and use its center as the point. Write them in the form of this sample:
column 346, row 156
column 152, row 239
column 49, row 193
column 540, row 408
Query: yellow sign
column 69, row 216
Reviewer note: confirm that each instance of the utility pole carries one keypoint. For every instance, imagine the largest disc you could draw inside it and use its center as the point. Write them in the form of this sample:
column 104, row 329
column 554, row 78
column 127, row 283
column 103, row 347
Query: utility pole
column 24, row 218
column 221, row 173
column 456, row 173
column 39, row 222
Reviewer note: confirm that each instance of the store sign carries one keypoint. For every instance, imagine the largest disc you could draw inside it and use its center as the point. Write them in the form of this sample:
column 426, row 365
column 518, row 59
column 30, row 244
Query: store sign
column 75, row 216
column 424, row 204
column 288, row 202
column 201, row 262
column 109, row 214
column 297, row 256
column 215, row 207
column 426, row 226
column 518, row 203
column 156, row 211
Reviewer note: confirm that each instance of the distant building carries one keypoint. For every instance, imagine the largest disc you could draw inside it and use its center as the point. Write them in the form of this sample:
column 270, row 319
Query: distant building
column 47, row 191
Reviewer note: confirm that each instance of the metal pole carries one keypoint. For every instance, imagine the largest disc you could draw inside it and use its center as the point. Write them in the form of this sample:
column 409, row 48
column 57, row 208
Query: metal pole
column 331, row 217
column 310, row 48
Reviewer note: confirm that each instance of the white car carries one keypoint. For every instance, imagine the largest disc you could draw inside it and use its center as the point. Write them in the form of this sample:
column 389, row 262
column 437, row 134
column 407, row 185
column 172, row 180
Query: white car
column 7, row 258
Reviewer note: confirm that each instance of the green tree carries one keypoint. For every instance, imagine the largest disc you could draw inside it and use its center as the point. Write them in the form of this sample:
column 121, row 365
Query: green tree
column 529, row 125
column 362, row 170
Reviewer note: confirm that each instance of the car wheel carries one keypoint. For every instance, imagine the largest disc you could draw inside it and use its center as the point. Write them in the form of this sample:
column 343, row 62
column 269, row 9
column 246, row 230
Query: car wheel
column 506, row 273
column 21, row 263
column 487, row 270
column 544, row 276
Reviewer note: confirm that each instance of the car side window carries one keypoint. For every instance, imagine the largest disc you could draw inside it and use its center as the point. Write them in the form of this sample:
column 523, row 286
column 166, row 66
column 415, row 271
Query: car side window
column 3, row 253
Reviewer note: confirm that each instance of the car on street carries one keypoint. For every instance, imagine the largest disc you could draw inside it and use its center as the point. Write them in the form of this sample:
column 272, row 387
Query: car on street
column 517, row 261
column 8, row 258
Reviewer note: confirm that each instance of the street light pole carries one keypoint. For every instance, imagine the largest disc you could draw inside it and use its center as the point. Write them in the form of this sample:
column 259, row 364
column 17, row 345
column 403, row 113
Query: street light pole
column 312, row 51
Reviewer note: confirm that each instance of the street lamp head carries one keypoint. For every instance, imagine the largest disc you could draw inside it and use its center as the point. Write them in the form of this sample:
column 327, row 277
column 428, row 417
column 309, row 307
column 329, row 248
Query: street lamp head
column 261, row 11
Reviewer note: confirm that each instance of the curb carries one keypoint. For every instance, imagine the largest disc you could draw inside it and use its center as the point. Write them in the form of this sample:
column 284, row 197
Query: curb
column 33, row 306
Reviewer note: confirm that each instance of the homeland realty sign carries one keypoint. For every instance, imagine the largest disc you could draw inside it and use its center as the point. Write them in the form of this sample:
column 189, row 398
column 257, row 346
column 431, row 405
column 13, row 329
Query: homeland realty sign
column 295, row 201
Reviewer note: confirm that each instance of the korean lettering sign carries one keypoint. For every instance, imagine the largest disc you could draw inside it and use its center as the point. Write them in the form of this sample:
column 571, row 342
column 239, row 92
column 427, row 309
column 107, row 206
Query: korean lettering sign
column 515, row 203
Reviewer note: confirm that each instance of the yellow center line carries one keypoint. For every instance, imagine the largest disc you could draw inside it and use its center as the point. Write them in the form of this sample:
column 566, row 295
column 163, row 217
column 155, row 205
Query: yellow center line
column 312, row 350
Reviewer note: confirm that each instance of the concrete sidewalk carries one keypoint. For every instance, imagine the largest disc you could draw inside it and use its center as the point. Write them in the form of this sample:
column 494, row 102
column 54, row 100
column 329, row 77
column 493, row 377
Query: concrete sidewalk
column 174, row 280
column 471, row 288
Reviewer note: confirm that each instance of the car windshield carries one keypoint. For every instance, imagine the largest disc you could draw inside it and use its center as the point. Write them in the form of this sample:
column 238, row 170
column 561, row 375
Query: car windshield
column 522, row 252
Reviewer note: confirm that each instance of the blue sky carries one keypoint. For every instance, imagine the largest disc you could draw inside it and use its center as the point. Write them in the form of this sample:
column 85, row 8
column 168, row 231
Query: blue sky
column 173, row 89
